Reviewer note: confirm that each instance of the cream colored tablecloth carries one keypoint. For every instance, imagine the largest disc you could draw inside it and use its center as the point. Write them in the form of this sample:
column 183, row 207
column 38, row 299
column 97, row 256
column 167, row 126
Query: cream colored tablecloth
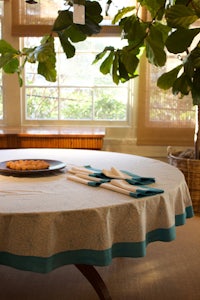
column 53, row 221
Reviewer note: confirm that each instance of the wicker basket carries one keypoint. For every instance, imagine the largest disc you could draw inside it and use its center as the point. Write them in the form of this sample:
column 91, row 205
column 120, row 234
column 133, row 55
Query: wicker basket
column 191, row 170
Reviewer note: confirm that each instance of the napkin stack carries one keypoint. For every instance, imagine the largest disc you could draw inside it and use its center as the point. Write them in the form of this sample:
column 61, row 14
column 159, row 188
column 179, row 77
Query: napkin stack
column 116, row 180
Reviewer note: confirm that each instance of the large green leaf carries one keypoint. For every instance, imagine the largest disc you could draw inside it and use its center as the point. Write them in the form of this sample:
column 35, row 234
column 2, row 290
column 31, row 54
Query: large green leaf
column 129, row 60
column 12, row 66
column 46, row 58
column 196, row 6
column 181, row 86
column 105, row 67
column 48, row 70
column 68, row 48
column 155, row 7
column 45, row 49
column 180, row 16
column 193, row 4
column 5, row 47
column 63, row 20
column 163, row 30
column 124, row 75
column 134, row 30
column 90, row 27
column 181, row 2
column 155, row 47
column 75, row 34
column 181, row 39
column 100, row 55
column 166, row 80
column 189, row 68
column 121, row 13
column 93, row 17
column 115, row 66
column 93, row 11
column 6, row 58
column 41, row 53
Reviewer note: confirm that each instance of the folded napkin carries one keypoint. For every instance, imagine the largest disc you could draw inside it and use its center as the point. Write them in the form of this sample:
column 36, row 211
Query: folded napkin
column 85, row 170
column 135, row 191
column 85, row 180
column 115, row 180
column 113, row 173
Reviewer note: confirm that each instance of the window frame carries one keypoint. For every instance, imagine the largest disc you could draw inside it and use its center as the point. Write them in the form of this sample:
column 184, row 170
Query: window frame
column 105, row 123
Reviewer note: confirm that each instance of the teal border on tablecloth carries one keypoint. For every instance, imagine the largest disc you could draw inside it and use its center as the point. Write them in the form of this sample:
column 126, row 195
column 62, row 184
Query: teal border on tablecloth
column 94, row 257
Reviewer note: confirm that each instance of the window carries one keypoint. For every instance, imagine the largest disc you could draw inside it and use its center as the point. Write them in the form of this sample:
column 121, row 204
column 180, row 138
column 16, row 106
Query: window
column 37, row 19
column 166, row 109
column 71, row 100
column 81, row 92
column 91, row 102
column 163, row 118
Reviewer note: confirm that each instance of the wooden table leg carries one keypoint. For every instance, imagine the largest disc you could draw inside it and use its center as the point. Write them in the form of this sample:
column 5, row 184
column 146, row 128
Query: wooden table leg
column 95, row 279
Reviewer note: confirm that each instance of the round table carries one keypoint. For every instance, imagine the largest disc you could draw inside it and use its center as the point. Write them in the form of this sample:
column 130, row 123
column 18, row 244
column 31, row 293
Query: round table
column 48, row 221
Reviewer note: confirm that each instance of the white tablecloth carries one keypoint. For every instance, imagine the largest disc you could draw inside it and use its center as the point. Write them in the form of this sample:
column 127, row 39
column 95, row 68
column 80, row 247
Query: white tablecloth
column 48, row 221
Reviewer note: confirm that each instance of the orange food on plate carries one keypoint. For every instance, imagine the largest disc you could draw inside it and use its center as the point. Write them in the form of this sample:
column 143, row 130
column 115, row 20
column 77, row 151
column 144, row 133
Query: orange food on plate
column 28, row 164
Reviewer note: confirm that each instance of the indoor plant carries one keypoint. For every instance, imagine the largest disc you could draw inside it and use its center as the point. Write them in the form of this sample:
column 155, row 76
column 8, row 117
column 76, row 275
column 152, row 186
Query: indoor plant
column 166, row 27
column 152, row 27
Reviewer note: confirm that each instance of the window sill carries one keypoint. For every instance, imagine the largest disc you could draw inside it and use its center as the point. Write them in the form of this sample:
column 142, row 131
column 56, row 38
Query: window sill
column 52, row 137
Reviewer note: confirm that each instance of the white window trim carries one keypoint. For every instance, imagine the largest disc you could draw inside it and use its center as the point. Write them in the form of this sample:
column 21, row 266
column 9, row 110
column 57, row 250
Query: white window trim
column 109, row 123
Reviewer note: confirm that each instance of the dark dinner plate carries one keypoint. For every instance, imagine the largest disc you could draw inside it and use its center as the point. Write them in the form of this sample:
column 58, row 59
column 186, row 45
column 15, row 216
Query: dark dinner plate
column 54, row 165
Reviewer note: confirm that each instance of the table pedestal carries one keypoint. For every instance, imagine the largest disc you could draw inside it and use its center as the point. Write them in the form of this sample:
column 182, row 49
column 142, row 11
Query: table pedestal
column 95, row 279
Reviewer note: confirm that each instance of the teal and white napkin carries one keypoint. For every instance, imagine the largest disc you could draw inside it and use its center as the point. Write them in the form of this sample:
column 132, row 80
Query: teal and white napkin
column 117, row 180
column 113, row 173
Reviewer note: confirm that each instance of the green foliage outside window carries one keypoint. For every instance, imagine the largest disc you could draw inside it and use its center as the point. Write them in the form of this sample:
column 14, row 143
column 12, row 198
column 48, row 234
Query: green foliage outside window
column 76, row 104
